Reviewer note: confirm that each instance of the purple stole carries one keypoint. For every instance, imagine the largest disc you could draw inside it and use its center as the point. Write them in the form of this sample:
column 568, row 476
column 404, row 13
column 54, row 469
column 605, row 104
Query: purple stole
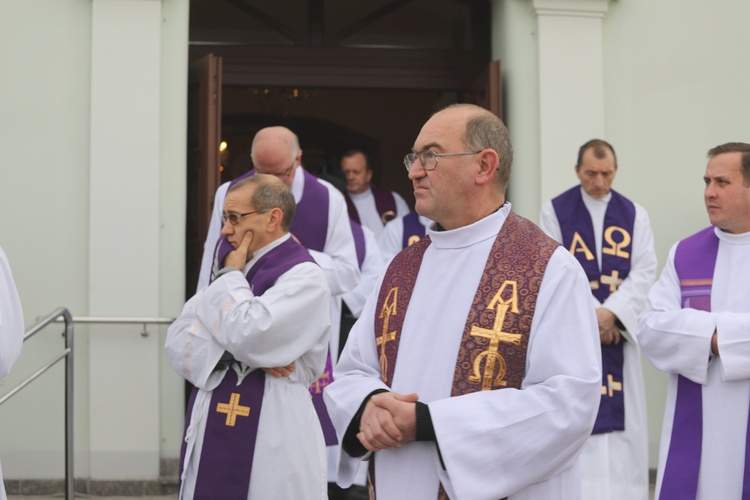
column 385, row 205
column 578, row 236
column 310, row 227
column 694, row 261
column 310, row 224
column 316, row 389
column 234, row 410
column 492, row 355
column 359, row 241
column 413, row 229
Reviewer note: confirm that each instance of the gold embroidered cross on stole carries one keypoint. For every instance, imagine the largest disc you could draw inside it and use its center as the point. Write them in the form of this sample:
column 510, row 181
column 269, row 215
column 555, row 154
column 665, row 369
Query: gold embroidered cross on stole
column 496, row 335
column 322, row 382
column 233, row 409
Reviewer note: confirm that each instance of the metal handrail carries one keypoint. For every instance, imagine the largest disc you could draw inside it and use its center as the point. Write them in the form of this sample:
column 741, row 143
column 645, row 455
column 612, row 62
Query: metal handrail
column 67, row 353
column 63, row 315
column 123, row 321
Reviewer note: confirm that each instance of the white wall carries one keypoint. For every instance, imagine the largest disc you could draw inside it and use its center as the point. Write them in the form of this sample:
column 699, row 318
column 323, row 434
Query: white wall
column 44, row 185
column 676, row 84
column 92, row 199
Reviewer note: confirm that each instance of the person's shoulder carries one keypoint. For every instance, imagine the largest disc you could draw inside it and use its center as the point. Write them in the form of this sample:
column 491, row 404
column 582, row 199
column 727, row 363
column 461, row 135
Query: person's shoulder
column 330, row 187
column 567, row 192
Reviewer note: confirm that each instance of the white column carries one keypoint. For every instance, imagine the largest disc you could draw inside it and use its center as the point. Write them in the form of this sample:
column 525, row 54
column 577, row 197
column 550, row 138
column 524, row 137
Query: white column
column 571, row 85
column 124, row 237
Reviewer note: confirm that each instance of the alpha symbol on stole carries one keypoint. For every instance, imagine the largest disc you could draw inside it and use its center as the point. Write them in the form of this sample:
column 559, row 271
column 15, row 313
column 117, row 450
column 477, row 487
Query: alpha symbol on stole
column 389, row 309
column 233, row 409
column 496, row 335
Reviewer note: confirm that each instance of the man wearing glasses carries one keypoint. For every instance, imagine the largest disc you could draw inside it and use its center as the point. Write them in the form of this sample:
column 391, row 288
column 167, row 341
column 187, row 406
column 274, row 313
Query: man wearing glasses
column 253, row 432
column 475, row 370
column 321, row 224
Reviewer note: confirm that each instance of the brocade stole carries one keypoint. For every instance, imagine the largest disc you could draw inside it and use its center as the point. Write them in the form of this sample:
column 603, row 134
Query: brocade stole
column 492, row 354
column 694, row 262
column 578, row 237
column 385, row 205
column 232, row 423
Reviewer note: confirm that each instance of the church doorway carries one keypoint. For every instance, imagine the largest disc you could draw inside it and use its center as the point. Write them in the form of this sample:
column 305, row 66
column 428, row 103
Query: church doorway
column 339, row 74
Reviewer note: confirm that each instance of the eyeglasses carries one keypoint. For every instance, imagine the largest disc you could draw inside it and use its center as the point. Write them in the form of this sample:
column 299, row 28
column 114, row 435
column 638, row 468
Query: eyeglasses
column 429, row 159
column 235, row 219
column 284, row 173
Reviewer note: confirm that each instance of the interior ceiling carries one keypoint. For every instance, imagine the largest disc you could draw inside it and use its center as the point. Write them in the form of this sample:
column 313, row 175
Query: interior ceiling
column 395, row 24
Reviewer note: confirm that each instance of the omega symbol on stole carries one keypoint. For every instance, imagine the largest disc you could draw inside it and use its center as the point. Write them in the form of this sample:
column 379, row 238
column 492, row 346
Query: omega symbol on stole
column 491, row 358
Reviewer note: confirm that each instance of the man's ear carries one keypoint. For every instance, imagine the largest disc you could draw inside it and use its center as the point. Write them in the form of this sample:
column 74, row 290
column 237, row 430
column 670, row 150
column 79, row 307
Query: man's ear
column 488, row 163
column 274, row 219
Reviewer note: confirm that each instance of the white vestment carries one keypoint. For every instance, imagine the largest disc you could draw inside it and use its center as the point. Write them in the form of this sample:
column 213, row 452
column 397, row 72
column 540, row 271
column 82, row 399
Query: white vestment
column 372, row 267
column 11, row 328
column 614, row 465
column 524, row 443
column 368, row 213
column 338, row 258
column 289, row 322
column 392, row 240
column 678, row 341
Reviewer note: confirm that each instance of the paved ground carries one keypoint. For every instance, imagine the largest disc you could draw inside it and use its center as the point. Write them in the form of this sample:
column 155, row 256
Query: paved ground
column 168, row 497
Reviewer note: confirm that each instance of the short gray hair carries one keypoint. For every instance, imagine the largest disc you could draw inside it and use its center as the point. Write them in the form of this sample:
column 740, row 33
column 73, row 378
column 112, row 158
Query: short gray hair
column 270, row 193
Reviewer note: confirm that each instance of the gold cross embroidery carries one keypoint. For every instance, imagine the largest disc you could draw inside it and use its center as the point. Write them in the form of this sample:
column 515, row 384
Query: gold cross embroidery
column 232, row 409
column 496, row 335
column 389, row 309
column 322, row 382
column 611, row 386
column 613, row 280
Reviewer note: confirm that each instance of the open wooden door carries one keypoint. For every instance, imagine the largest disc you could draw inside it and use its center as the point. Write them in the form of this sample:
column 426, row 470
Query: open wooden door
column 204, row 133
column 488, row 89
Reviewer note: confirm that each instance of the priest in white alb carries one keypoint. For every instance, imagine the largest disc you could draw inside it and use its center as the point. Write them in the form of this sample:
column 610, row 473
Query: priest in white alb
column 611, row 237
column 251, row 343
column 474, row 371
column 696, row 327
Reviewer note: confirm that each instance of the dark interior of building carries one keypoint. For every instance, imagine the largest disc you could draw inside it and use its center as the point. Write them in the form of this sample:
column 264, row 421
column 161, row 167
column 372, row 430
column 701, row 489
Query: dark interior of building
column 340, row 74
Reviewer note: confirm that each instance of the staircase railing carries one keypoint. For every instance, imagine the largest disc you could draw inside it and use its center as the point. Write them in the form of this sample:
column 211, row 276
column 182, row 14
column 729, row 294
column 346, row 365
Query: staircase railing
column 67, row 354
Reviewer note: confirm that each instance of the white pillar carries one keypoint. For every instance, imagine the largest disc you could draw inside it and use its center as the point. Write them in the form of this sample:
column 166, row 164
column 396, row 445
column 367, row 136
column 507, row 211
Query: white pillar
column 571, row 85
column 124, row 237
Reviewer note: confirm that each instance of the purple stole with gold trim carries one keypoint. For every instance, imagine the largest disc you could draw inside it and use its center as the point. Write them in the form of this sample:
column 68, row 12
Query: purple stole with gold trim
column 413, row 229
column 492, row 354
column 578, row 237
column 694, row 262
column 385, row 205
column 234, row 410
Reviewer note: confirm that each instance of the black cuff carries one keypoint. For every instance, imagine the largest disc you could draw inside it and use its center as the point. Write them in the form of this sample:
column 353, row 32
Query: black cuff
column 350, row 443
column 425, row 431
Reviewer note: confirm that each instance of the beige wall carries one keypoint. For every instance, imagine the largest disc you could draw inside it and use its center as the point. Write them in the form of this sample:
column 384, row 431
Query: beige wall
column 92, row 183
